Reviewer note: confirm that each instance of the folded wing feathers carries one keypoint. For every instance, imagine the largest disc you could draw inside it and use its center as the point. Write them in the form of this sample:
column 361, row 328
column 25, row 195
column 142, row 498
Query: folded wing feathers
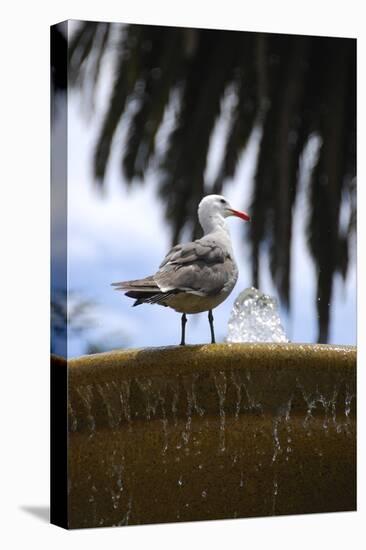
column 201, row 268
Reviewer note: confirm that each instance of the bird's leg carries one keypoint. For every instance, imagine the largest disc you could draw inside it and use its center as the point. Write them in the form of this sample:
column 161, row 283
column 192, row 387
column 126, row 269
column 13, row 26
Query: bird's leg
column 210, row 320
column 184, row 321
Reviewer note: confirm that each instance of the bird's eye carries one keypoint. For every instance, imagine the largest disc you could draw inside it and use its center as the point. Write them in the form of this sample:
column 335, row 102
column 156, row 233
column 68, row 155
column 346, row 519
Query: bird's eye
column 223, row 201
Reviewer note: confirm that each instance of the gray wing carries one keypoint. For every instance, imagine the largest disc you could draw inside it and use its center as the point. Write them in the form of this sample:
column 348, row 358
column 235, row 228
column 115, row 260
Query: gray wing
column 202, row 267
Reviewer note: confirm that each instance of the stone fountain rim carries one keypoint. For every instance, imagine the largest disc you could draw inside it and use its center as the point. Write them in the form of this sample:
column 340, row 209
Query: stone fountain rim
column 280, row 374
column 177, row 360
column 232, row 347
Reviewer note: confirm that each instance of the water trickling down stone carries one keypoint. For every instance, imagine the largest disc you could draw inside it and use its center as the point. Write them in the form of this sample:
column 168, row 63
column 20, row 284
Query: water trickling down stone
column 221, row 384
column 114, row 415
column 86, row 394
column 73, row 422
column 276, row 440
column 255, row 318
column 192, row 405
column 274, row 494
column 126, row 518
column 123, row 389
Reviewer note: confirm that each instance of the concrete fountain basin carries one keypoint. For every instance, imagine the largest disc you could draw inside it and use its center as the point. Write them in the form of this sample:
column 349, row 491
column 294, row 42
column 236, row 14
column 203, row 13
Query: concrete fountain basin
column 211, row 432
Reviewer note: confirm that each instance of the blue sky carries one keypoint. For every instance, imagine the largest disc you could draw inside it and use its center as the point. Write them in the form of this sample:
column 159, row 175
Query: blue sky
column 120, row 234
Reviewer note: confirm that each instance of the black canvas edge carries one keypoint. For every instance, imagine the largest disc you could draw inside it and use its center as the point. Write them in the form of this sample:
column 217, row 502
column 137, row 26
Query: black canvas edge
column 234, row 28
column 58, row 364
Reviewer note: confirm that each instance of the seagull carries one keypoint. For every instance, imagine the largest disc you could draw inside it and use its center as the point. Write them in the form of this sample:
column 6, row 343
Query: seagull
column 195, row 276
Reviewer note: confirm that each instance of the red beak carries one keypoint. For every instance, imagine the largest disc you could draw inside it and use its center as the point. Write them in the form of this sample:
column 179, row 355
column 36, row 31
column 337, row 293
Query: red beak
column 241, row 215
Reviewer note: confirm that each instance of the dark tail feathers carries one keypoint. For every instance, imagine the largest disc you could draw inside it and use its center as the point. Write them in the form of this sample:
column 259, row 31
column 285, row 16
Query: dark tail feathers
column 144, row 291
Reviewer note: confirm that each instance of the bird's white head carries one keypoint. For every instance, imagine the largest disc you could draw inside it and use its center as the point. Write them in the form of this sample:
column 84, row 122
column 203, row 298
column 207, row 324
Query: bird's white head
column 212, row 211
